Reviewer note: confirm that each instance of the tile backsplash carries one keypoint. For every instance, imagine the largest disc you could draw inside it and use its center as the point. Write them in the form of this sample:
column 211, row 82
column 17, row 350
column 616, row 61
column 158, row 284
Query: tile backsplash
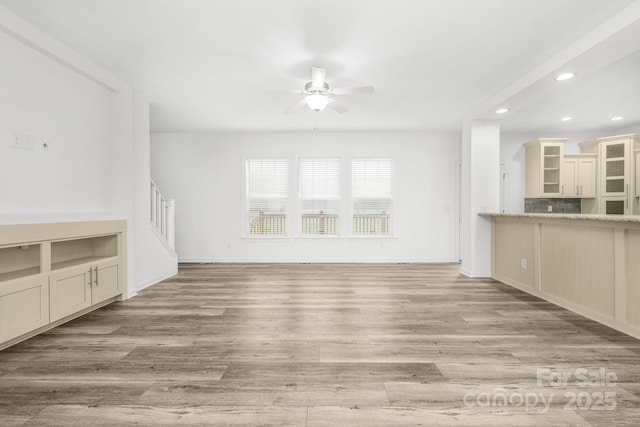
column 557, row 205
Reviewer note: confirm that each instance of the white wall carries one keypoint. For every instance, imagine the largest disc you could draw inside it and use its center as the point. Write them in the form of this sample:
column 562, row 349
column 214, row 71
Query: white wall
column 97, row 164
column 153, row 259
column 204, row 174
column 44, row 99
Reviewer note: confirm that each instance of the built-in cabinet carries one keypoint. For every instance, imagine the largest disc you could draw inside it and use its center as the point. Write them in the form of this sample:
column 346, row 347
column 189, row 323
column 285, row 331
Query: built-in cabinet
column 51, row 273
column 618, row 180
column 578, row 178
column 549, row 173
column 76, row 288
column 615, row 166
column 637, row 159
column 605, row 175
column 544, row 162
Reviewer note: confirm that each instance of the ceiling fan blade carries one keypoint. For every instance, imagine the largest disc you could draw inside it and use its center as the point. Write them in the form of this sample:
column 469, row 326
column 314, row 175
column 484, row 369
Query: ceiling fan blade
column 282, row 90
column 317, row 76
column 350, row 90
column 336, row 106
column 295, row 107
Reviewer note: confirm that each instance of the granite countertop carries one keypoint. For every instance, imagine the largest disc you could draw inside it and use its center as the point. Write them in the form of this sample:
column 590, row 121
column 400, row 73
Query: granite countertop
column 611, row 218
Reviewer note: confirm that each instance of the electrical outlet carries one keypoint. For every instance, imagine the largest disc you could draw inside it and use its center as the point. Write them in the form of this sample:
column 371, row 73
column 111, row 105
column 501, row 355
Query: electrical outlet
column 24, row 142
column 549, row 208
column 523, row 264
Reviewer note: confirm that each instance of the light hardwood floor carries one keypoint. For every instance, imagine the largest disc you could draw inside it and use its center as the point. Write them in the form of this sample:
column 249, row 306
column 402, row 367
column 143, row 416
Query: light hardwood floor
column 323, row 345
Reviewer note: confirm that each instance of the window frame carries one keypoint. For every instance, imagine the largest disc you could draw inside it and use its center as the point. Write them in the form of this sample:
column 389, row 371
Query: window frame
column 288, row 206
column 391, row 225
column 299, row 199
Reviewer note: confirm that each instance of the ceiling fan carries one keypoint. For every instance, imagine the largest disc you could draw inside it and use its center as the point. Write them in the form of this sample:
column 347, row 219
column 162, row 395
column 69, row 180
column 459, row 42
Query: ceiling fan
column 318, row 93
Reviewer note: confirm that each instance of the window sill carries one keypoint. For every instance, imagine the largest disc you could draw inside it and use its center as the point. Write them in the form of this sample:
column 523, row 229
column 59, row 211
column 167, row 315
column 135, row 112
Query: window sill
column 372, row 237
column 258, row 238
column 320, row 237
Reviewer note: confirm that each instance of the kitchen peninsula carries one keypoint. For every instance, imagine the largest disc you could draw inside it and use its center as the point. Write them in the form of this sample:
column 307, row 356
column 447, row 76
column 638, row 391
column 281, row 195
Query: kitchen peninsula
column 588, row 264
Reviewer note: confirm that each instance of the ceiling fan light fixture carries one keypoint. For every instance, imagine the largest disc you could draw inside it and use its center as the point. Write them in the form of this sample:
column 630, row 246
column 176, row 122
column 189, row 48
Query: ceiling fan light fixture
column 319, row 95
column 317, row 102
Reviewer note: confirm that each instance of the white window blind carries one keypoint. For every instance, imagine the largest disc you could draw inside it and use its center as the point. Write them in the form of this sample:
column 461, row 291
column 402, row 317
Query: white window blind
column 267, row 196
column 371, row 196
column 320, row 196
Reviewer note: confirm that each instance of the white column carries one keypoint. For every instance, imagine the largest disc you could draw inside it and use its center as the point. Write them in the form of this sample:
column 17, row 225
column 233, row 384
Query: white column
column 480, row 193
column 171, row 223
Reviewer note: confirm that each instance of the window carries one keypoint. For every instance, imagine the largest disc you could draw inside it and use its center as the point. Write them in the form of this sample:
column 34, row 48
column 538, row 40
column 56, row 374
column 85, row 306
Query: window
column 320, row 196
column 267, row 197
column 371, row 196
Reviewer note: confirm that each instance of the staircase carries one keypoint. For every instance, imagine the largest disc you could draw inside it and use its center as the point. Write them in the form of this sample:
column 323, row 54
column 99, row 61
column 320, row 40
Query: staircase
column 163, row 216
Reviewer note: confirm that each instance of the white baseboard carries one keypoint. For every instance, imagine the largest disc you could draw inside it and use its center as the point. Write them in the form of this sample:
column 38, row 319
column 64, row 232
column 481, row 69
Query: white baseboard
column 315, row 261
column 133, row 292
column 475, row 274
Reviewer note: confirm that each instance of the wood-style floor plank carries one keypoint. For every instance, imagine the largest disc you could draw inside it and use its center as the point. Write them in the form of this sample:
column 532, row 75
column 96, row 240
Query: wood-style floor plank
column 321, row 345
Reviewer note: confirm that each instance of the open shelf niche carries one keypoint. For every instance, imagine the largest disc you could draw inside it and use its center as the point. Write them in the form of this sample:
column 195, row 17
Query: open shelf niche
column 69, row 253
column 19, row 261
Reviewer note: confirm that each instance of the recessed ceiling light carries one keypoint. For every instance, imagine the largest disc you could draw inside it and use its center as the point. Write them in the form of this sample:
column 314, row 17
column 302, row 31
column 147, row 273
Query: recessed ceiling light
column 501, row 110
column 565, row 76
column 566, row 119
column 617, row 118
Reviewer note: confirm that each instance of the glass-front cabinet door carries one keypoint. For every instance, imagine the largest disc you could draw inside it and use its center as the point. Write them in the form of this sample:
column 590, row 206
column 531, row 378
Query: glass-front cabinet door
column 616, row 206
column 615, row 165
column 637, row 173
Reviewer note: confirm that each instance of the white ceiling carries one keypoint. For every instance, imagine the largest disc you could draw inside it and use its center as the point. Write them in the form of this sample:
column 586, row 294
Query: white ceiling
column 434, row 63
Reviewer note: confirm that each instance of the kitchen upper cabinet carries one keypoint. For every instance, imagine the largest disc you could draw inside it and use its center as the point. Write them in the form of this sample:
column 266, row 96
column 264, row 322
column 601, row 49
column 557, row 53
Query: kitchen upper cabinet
column 637, row 152
column 615, row 158
column 616, row 163
column 544, row 164
column 578, row 178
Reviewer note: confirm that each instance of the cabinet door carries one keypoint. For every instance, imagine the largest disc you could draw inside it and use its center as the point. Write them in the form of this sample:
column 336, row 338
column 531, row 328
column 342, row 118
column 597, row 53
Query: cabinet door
column 615, row 206
column 70, row 291
column 587, row 178
column 638, row 174
column 615, row 168
column 570, row 186
column 24, row 306
column 552, row 155
column 106, row 281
